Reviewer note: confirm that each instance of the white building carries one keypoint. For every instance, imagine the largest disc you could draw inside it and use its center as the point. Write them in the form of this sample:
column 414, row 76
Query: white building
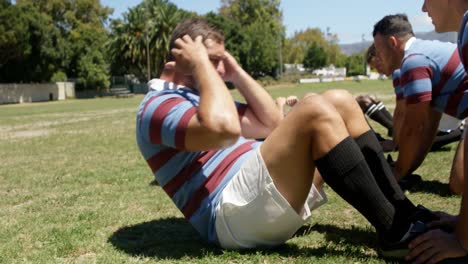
column 291, row 68
column 13, row 93
column 330, row 71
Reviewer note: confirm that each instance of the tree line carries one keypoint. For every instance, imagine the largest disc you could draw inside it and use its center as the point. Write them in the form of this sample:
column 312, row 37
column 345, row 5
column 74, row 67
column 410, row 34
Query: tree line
column 56, row 40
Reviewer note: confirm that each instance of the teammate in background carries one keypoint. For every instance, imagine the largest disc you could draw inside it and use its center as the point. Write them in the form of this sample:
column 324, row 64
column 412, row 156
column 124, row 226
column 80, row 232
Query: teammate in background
column 437, row 245
column 424, row 98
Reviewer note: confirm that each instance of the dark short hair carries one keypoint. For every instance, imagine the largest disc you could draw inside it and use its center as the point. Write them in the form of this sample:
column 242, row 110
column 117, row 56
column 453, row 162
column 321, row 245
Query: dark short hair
column 195, row 27
column 393, row 25
column 371, row 53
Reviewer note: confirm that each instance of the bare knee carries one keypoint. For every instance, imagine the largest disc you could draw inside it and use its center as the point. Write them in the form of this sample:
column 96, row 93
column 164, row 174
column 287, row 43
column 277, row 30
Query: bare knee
column 318, row 120
column 340, row 98
column 349, row 110
column 316, row 112
column 316, row 106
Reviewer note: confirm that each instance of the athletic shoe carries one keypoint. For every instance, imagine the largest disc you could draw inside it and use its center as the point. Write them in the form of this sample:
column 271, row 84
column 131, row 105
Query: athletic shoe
column 423, row 214
column 400, row 249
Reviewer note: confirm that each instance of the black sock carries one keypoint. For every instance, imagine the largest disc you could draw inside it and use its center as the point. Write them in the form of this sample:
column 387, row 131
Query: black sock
column 444, row 139
column 345, row 170
column 386, row 113
column 379, row 113
column 382, row 172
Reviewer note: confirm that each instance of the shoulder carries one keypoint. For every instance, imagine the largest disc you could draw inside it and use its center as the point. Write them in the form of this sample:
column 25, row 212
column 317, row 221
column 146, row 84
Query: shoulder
column 416, row 67
column 414, row 60
column 396, row 74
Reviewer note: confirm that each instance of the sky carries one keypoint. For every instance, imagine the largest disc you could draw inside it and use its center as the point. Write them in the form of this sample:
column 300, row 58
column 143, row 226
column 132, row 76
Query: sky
column 352, row 21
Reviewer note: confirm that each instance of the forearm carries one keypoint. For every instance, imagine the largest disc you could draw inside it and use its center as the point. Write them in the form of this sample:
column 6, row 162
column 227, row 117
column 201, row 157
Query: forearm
column 216, row 109
column 259, row 101
column 414, row 144
column 398, row 116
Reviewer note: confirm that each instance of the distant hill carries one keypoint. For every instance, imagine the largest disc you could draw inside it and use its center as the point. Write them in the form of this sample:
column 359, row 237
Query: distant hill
column 358, row 47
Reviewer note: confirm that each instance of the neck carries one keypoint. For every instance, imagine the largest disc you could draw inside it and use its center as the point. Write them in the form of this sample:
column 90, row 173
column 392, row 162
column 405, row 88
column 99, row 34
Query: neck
column 179, row 79
column 399, row 54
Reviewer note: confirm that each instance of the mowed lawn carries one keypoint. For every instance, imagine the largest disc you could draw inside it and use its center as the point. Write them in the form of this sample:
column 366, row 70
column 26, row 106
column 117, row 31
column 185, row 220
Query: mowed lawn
column 75, row 189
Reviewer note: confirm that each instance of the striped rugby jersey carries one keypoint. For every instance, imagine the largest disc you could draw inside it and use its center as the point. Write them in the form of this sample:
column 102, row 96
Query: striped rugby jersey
column 193, row 179
column 396, row 84
column 463, row 42
column 432, row 71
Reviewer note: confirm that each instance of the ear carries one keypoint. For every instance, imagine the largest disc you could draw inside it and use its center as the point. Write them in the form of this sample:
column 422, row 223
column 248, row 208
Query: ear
column 393, row 42
column 170, row 66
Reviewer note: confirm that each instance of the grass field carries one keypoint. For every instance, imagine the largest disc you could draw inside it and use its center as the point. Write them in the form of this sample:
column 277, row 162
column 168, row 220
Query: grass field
column 75, row 189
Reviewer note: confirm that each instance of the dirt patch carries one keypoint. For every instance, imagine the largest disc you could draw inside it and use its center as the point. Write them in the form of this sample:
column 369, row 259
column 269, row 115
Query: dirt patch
column 23, row 134
column 44, row 128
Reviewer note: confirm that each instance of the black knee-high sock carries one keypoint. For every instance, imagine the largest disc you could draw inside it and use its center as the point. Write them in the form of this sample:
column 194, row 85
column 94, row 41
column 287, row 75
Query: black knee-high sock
column 345, row 170
column 373, row 153
column 379, row 113
column 386, row 113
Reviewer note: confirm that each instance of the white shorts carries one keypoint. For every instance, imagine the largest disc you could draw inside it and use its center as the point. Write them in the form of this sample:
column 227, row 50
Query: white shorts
column 253, row 213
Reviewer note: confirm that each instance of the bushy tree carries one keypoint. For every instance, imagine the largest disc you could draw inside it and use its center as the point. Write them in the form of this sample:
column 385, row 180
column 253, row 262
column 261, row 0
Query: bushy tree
column 297, row 46
column 355, row 65
column 31, row 48
column 315, row 58
column 92, row 74
column 262, row 30
column 46, row 39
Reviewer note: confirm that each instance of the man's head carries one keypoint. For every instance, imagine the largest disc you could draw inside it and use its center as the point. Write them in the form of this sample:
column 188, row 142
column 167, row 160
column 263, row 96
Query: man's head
column 373, row 60
column 213, row 39
column 390, row 36
column 195, row 27
column 445, row 14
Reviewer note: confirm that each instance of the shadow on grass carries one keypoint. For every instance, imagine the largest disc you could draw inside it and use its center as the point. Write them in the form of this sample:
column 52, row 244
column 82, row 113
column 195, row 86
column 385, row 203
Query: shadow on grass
column 348, row 243
column 354, row 236
column 174, row 238
column 433, row 187
column 171, row 238
column 442, row 149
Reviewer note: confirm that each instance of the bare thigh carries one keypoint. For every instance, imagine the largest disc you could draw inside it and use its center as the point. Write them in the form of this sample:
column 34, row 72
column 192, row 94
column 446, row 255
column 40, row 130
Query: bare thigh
column 309, row 131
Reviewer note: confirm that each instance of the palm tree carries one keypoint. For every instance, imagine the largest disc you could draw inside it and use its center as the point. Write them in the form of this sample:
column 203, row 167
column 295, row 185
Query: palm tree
column 164, row 17
column 127, row 41
column 144, row 28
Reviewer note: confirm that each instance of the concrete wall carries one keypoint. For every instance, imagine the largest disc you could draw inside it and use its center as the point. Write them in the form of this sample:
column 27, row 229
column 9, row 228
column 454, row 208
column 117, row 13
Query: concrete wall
column 27, row 93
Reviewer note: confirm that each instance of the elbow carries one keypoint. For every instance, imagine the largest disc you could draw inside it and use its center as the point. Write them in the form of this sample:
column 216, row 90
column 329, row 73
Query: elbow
column 226, row 130
column 274, row 121
column 227, row 136
column 230, row 133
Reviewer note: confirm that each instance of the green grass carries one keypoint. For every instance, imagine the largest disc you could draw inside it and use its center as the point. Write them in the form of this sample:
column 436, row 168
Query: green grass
column 75, row 189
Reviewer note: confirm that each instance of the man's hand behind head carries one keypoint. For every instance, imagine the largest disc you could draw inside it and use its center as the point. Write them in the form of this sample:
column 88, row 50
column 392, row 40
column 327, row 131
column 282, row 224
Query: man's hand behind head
column 232, row 68
column 189, row 53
